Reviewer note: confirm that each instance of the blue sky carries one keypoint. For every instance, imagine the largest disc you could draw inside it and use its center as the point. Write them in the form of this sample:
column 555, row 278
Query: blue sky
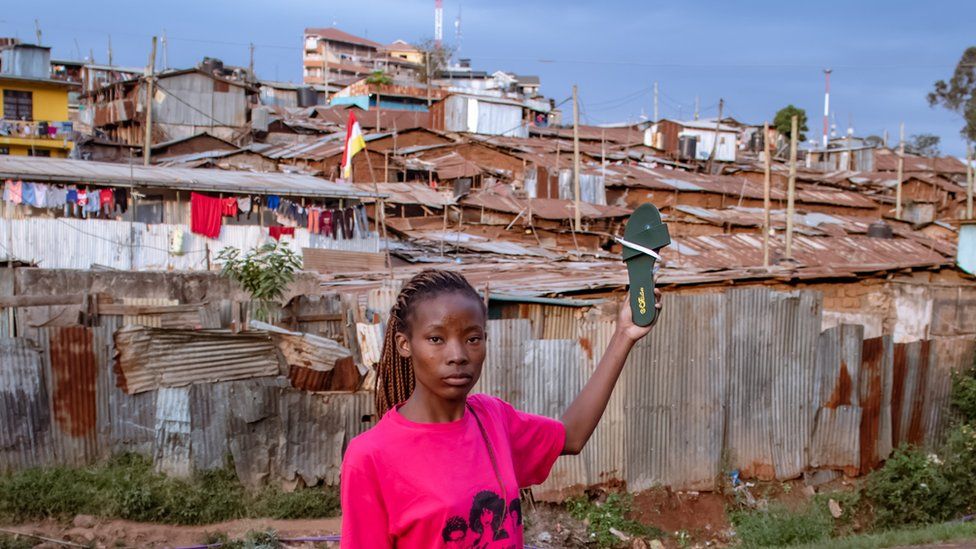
column 757, row 55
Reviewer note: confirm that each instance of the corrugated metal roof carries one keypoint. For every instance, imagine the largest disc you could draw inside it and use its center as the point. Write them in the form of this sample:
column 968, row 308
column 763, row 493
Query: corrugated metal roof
column 409, row 193
column 147, row 358
column 120, row 175
column 25, row 419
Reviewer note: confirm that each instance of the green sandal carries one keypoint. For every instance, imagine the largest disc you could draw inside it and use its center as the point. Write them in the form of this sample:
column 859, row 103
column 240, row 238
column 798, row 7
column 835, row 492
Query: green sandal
column 644, row 236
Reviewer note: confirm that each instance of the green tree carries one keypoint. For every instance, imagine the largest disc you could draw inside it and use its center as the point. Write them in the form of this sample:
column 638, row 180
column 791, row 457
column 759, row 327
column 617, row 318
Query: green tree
column 923, row 144
column 782, row 122
column 439, row 57
column 959, row 93
column 264, row 272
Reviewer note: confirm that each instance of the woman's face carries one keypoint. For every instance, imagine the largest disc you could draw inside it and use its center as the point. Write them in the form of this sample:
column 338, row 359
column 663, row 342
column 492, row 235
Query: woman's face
column 446, row 343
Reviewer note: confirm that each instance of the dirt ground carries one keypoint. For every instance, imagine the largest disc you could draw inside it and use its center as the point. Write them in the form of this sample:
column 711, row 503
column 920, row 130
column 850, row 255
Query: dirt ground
column 88, row 531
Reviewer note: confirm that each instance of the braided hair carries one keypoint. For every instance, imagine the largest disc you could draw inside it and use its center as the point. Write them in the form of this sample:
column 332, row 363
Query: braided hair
column 395, row 378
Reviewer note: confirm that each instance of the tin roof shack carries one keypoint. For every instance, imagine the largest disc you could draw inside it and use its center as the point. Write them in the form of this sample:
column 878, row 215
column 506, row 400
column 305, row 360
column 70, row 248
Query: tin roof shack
column 886, row 160
column 670, row 188
column 146, row 223
column 699, row 137
column 398, row 96
column 184, row 103
column 291, row 95
column 488, row 115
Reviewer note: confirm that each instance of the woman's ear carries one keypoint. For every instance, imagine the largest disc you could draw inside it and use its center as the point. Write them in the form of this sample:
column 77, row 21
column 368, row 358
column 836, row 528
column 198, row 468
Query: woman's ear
column 402, row 344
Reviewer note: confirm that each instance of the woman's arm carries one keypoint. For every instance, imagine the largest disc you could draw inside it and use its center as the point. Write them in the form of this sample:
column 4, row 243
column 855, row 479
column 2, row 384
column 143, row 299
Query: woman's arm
column 582, row 416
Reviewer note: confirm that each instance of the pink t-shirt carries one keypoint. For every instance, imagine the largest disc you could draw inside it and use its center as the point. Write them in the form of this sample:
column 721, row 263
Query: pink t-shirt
column 425, row 485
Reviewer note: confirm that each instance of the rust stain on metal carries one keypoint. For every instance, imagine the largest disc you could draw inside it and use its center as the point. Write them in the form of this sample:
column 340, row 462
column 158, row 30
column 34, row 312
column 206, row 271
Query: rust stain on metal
column 587, row 347
column 74, row 370
column 916, row 431
column 872, row 354
column 842, row 390
column 899, row 371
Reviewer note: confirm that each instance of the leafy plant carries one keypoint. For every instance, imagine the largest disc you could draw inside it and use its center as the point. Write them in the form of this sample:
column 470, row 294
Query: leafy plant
column 783, row 122
column 959, row 93
column 923, row 144
column 611, row 514
column 264, row 272
column 777, row 526
column 909, row 490
column 378, row 78
column 963, row 396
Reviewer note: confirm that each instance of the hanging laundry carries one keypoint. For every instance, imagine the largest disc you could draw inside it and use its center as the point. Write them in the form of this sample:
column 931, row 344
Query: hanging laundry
column 244, row 206
column 228, row 207
column 362, row 220
column 13, row 191
column 313, row 220
column 205, row 215
column 82, row 197
column 273, row 201
column 121, row 199
column 106, row 198
column 56, row 195
column 29, row 194
column 176, row 241
column 71, row 202
column 94, row 201
column 325, row 225
column 348, row 224
column 277, row 232
column 40, row 195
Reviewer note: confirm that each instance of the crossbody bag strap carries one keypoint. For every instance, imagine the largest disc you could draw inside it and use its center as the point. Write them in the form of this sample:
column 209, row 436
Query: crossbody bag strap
column 494, row 461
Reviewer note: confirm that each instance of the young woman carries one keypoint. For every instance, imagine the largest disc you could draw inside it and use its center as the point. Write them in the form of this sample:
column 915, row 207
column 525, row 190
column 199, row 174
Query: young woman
column 443, row 468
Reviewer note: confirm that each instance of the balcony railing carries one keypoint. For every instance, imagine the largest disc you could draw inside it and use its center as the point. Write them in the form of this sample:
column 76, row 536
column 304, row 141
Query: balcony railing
column 30, row 129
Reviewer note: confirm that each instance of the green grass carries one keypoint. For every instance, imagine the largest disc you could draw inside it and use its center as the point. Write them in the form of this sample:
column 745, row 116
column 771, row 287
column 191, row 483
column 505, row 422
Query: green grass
column 126, row 487
column 778, row 526
column 894, row 538
column 8, row 541
column 613, row 512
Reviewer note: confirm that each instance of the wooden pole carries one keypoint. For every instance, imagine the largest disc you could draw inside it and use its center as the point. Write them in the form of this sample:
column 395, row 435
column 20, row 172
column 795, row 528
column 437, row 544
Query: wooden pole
column 718, row 126
column 427, row 61
column 576, row 163
column 791, row 191
column 386, row 166
column 250, row 64
column 147, row 140
column 901, row 169
column 971, row 175
column 766, row 182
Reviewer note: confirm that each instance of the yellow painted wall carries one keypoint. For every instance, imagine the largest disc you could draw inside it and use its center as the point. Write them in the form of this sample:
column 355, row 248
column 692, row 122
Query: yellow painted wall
column 50, row 102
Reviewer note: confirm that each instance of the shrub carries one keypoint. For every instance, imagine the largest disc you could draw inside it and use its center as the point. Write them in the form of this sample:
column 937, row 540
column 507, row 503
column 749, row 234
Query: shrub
column 963, row 397
column 777, row 526
column 613, row 512
column 127, row 487
column 959, row 468
column 910, row 489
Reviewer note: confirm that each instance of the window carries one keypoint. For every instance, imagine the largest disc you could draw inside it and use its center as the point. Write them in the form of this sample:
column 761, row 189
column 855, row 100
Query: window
column 39, row 152
column 18, row 105
column 4, row 150
column 149, row 209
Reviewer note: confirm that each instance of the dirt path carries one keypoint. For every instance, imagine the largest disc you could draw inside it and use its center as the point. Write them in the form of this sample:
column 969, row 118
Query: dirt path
column 122, row 533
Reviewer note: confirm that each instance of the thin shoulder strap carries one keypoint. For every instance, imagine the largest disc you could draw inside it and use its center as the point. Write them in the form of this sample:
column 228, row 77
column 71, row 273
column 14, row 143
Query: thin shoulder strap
column 491, row 457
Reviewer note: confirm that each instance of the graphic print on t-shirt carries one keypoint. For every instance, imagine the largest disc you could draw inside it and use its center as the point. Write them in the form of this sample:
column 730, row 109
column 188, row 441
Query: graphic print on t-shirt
column 489, row 525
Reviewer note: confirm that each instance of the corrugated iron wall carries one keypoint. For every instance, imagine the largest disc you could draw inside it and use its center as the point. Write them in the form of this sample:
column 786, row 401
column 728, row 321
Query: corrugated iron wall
column 738, row 380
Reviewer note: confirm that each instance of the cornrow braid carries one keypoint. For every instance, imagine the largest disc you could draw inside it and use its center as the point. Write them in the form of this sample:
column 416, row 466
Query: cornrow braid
column 395, row 379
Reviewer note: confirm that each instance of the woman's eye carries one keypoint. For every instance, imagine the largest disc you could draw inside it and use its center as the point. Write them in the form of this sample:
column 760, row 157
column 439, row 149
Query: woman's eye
column 434, row 339
column 475, row 339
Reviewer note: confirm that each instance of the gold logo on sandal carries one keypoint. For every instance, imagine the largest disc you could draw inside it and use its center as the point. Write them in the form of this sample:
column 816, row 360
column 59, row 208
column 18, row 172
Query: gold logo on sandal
column 642, row 302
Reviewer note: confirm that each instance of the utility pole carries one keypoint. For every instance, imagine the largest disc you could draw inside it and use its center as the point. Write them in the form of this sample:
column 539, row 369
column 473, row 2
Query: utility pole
column 250, row 64
column 766, row 182
column 697, row 107
column 791, row 191
column 147, row 141
column 826, row 106
column 577, row 226
column 110, row 50
column 37, row 31
column 165, row 51
column 718, row 126
column 655, row 101
column 970, row 176
column 325, row 68
column 901, row 169
column 427, row 61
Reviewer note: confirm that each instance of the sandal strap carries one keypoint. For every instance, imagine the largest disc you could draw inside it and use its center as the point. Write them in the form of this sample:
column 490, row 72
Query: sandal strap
column 638, row 247
column 654, row 238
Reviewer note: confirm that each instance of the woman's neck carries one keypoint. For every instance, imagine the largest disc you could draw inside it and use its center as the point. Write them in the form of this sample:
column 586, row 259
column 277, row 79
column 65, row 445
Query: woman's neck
column 424, row 407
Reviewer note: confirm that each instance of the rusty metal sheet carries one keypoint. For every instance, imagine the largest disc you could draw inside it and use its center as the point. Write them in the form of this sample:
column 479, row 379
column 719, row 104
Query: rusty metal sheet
column 874, row 394
column 73, row 374
column 208, row 424
column 910, row 376
column 147, row 358
column 949, row 355
column 835, row 440
column 25, row 419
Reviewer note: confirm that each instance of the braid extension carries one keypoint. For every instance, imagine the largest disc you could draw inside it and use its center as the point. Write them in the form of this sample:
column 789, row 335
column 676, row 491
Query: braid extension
column 395, row 380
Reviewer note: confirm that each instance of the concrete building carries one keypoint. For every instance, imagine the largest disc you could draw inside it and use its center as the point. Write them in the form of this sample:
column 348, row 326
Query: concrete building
column 34, row 107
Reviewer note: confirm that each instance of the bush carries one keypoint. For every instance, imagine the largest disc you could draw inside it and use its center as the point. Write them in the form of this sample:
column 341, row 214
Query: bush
column 959, row 468
column 613, row 512
column 909, row 490
column 963, row 396
column 777, row 526
column 128, row 488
